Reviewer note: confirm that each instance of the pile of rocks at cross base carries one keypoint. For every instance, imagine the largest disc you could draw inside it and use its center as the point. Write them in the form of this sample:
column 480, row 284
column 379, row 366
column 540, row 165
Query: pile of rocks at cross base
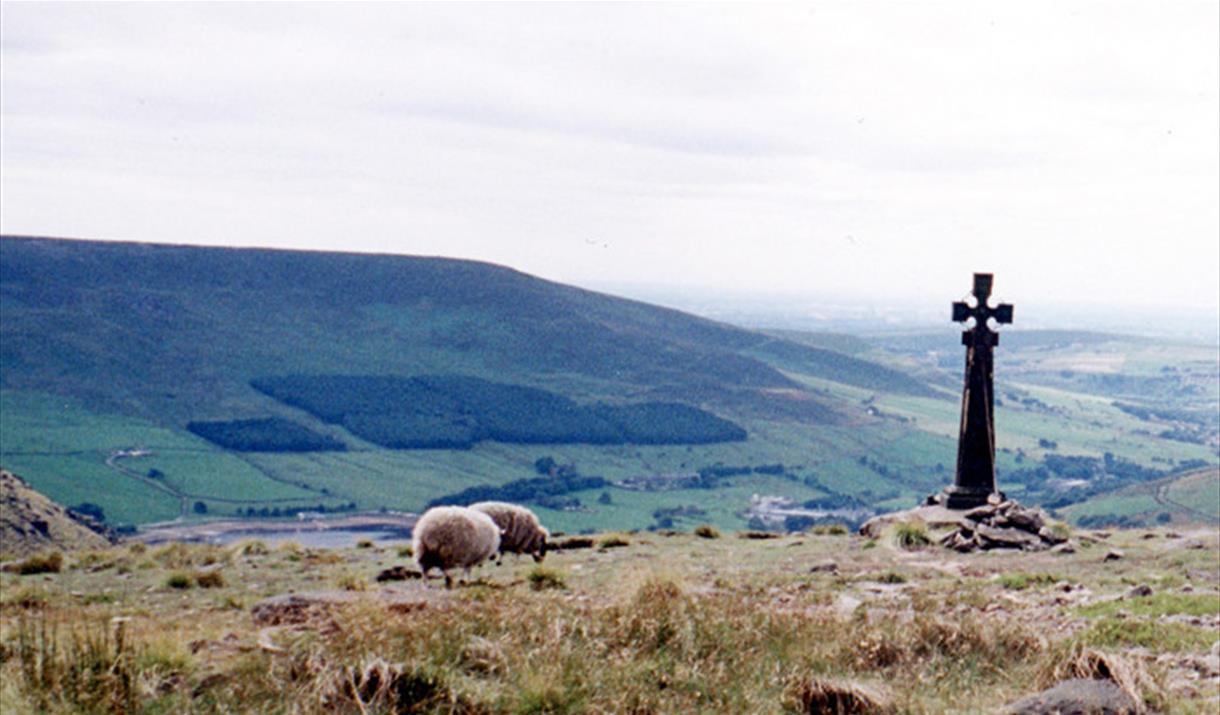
column 1000, row 524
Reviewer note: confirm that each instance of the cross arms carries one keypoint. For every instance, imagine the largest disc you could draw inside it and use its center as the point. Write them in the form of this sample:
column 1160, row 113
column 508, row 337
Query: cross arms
column 981, row 312
column 962, row 312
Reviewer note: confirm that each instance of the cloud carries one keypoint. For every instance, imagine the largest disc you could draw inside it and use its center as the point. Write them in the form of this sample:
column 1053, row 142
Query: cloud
column 1071, row 148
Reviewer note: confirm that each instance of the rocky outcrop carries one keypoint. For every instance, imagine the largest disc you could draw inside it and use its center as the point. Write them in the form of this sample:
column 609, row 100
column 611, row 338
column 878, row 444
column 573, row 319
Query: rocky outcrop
column 30, row 522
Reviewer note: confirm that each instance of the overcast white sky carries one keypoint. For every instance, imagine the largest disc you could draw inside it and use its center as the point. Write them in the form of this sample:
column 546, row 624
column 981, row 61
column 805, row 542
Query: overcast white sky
column 844, row 149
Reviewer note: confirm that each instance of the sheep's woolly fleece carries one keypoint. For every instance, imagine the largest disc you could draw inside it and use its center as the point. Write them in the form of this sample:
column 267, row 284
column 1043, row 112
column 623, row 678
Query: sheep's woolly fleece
column 521, row 532
column 449, row 537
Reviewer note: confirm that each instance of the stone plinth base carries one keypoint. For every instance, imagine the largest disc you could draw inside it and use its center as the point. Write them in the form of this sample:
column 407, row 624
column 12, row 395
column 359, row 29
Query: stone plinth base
column 956, row 497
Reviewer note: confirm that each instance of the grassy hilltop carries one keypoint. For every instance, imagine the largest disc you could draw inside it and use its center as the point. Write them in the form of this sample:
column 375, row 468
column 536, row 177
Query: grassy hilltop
column 659, row 622
column 158, row 382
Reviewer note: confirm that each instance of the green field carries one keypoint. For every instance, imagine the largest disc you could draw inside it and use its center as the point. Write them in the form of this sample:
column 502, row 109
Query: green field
column 72, row 479
column 63, row 450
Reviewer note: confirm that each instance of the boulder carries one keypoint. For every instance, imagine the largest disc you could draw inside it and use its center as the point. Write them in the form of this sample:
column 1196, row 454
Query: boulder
column 934, row 517
column 293, row 609
column 398, row 573
column 1048, row 535
column 1140, row 591
column 981, row 513
column 1077, row 697
column 1027, row 519
column 1008, row 538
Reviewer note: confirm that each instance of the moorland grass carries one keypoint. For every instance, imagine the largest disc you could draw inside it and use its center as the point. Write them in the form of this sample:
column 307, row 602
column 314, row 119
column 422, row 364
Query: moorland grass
column 1158, row 604
column 1114, row 632
column 1022, row 581
column 681, row 624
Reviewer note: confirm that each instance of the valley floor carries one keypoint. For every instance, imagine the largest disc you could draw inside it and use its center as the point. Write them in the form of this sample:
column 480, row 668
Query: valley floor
column 648, row 622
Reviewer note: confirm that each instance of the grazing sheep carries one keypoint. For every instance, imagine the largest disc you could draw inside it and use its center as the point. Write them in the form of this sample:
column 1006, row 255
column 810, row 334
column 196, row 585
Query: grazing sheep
column 520, row 531
column 448, row 537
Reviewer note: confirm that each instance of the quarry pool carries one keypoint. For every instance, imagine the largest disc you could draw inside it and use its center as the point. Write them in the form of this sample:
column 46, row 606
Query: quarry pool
column 316, row 538
column 383, row 529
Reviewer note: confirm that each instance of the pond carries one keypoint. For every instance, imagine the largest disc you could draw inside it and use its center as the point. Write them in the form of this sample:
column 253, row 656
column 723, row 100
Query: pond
column 316, row 538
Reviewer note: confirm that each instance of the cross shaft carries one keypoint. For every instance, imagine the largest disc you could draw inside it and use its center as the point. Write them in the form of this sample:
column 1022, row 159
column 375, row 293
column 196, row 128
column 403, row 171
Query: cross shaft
column 974, row 481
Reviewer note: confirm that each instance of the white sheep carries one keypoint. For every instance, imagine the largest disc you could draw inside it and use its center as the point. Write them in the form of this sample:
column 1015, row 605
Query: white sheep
column 448, row 537
column 520, row 531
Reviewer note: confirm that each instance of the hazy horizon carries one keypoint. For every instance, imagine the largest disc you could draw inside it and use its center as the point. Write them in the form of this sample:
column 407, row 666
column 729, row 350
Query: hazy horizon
column 816, row 311
column 872, row 153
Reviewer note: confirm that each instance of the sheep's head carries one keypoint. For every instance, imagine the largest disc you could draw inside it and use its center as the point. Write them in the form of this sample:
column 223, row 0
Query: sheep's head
column 540, row 554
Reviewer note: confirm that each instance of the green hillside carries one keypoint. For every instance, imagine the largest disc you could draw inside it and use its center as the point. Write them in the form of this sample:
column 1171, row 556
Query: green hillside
column 169, row 381
column 1192, row 498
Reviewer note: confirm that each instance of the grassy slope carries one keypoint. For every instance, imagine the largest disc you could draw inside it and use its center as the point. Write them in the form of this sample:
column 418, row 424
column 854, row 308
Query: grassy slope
column 1191, row 497
column 145, row 338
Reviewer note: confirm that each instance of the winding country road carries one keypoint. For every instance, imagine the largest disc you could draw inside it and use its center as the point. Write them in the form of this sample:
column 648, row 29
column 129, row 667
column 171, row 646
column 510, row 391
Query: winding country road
column 113, row 462
column 1162, row 489
column 184, row 498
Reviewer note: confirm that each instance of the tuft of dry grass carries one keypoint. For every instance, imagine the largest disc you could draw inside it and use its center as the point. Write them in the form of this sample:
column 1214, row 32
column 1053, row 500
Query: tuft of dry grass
column 817, row 696
column 385, row 687
column 911, row 535
column 51, row 562
column 351, row 582
column 257, row 547
column 757, row 535
column 1022, row 581
column 179, row 580
column 209, row 578
column 1076, row 660
column 26, row 597
column 613, row 541
column 177, row 555
column 541, row 578
column 830, row 530
column 91, row 668
column 291, row 550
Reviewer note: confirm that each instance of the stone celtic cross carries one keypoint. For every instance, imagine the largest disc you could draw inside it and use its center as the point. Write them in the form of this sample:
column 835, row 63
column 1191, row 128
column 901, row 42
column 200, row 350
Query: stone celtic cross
column 974, row 481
